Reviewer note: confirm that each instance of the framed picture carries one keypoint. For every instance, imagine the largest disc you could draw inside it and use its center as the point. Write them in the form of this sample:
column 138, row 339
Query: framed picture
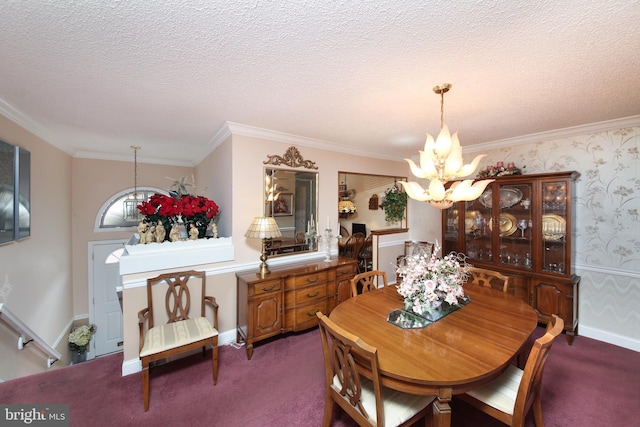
column 282, row 206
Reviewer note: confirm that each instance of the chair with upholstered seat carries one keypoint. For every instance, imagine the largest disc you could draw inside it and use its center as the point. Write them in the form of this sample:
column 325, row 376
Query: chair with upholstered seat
column 363, row 399
column 509, row 397
column 488, row 279
column 186, row 328
column 368, row 281
column 413, row 247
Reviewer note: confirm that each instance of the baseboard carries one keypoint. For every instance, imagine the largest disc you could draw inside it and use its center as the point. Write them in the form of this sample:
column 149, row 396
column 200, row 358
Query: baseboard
column 608, row 337
column 134, row 366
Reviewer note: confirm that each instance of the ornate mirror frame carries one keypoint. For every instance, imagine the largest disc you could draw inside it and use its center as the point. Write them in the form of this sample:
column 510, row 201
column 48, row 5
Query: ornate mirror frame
column 291, row 198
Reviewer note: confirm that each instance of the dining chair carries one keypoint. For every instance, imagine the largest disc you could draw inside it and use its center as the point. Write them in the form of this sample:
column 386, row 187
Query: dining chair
column 413, row 247
column 352, row 246
column 186, row 328
column 368, row 281
column 509, row 397
column 488, row 279
column 363, row 399
column 365, row 255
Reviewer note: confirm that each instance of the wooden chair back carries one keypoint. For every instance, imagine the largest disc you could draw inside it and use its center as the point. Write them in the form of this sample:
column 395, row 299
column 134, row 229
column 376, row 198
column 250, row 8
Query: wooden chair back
column 368, row 281
column 365, row 255
column 488, row 279
column 171, row 294
column 352, row 246
column 174, row 321
column 500, row 398
column 345, row 356
column 530, row 390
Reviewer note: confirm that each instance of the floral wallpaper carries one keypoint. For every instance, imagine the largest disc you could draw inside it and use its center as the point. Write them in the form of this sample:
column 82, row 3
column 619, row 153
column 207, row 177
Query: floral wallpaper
column 607, row 221
column 608, row 190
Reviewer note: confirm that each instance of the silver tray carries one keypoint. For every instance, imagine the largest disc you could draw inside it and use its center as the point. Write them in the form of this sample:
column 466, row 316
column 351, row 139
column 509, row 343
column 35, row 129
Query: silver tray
column 509, row 196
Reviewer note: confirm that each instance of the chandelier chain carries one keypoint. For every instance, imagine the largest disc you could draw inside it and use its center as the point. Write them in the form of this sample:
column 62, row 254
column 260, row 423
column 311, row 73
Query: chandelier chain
column 135, row 170
column 441, row 109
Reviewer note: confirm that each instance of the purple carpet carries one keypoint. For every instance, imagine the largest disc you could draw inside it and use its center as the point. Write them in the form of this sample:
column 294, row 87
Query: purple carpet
column 588, row 384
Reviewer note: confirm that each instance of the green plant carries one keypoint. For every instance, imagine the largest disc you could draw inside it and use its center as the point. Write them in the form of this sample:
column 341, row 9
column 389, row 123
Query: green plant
column 394, row 204
column 80, row 336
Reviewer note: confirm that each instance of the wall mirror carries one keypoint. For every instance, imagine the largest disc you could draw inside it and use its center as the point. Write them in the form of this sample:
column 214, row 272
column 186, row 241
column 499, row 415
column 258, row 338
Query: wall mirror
column 366, row 193
column 291, row 198
column 15, row 193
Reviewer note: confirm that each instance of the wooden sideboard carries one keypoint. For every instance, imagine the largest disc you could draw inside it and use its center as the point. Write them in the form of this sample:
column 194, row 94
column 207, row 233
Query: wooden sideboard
column 287, row 299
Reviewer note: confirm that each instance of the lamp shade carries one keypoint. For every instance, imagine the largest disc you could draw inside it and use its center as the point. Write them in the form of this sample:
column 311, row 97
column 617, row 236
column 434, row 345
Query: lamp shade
column 347, row 207
column 263, row 228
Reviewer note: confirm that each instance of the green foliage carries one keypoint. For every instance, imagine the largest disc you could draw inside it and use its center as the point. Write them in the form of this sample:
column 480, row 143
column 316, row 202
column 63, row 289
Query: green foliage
column 394, row 204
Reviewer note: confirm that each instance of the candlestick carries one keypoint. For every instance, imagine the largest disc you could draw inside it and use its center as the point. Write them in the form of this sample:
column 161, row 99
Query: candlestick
column 327, row 238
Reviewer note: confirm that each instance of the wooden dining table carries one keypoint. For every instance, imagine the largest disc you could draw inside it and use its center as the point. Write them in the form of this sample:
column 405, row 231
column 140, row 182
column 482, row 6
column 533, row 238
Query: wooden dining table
column 457, row 353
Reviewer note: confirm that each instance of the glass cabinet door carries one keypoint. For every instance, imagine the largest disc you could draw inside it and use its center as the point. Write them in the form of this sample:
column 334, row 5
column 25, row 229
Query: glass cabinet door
column 450, row 230
column 514, row 224
column 554, row 226
column 477, row 228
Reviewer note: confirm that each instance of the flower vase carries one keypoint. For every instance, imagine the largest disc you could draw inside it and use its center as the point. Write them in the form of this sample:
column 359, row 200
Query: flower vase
column 79, row 355
column 433, row 313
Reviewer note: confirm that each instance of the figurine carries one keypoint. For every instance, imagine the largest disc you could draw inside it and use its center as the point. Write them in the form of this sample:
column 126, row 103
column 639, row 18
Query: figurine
column 160, row 233
column 143, row 228
column 151, row 234
column 193, row 232
column 214, row 230
column 174, row 234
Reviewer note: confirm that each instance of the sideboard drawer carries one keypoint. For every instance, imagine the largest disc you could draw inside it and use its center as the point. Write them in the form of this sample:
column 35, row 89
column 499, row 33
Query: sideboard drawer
column 305, row 316
column 266, row 287
column 317, row 277
column 305, row 295
column 346, row 270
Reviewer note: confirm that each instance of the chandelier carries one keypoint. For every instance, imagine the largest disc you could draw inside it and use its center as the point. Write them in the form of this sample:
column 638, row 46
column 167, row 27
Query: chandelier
column 441, row 162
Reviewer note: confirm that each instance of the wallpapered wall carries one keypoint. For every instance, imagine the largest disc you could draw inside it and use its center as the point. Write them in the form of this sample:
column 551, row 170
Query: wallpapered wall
column 607, row 223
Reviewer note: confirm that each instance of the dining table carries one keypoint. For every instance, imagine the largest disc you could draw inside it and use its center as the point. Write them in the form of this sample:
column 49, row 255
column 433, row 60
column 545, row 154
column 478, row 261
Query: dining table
column 457, row 353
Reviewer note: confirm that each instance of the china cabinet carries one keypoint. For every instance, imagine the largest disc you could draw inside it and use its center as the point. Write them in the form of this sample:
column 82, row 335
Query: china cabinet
column 523, row 226
column 287, row 299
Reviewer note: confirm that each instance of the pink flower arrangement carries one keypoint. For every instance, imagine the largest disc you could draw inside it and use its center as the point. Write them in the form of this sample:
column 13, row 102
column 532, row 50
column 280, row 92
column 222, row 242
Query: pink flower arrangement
column 428, row 281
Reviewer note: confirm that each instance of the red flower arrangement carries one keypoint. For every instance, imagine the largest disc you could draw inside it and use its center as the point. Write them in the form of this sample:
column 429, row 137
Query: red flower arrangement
column 187, row 209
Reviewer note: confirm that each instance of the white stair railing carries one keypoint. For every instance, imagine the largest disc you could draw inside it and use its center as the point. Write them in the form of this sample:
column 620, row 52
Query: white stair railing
column 27, row 335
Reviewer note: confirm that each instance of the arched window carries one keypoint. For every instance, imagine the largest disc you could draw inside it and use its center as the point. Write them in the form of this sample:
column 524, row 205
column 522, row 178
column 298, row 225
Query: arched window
column 110, row 216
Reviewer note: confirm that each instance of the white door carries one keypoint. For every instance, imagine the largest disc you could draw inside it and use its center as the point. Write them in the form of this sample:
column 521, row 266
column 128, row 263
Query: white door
column 107, row 313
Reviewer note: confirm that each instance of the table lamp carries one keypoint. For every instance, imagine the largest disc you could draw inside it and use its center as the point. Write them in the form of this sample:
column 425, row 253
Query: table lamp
column 263, row 228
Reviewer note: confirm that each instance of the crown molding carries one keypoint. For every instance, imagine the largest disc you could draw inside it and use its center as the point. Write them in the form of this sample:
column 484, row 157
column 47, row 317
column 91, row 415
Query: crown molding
column 33, row 126
column 608, row 125
column 287, row 138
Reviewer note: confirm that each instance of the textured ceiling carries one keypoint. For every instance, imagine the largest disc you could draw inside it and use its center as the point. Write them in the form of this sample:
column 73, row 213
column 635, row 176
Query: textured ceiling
column 95, row 77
